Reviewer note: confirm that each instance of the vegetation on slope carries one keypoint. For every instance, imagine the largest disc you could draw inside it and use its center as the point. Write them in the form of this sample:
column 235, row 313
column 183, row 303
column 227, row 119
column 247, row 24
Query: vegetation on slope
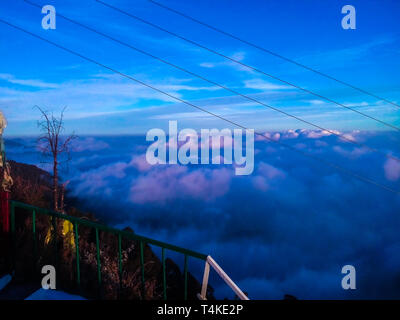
column 34, row 186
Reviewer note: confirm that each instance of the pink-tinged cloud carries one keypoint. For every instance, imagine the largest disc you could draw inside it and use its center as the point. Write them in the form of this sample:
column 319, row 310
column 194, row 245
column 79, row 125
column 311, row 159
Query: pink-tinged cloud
column 140, row 163
column 269, row 136
column 207, row 185
column 348, row 137
column 273, row 136
column 89, row 144
column 316, row 134
column 260, row 183
column 392, row 170
column 290, row 134
column 266, row 175
column 176, row 182
column 93, row 181
column 353, row 154
column 270, row 172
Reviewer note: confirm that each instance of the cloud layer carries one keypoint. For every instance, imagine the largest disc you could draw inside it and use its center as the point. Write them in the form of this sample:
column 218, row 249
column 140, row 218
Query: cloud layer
column 287, row 228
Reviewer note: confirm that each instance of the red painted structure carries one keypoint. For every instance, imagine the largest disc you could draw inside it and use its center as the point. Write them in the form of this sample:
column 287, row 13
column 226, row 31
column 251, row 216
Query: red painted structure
column 5, row 211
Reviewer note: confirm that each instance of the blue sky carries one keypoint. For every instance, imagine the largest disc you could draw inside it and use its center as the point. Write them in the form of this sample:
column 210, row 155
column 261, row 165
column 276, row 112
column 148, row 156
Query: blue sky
column 99, row 102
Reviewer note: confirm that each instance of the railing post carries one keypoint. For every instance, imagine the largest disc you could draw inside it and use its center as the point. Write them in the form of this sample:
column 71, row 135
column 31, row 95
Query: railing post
column 98, row 258
column 55, row 239
column 34, row 239
column 226, row 278
column 186, row 276
column 120, row 260
column 203, row 294
column 142, row 269
column 78, row 272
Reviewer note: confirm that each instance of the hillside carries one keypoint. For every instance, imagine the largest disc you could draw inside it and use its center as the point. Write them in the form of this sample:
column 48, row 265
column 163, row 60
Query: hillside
column 33, row 186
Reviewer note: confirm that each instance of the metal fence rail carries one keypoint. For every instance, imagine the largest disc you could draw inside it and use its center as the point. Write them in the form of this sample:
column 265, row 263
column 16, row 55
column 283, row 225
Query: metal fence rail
column 211, row 262
column 99, row 227
column 76, row 222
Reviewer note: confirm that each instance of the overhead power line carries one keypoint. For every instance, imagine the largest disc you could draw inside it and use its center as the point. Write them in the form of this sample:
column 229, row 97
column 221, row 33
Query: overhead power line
column 344, row 137
column 306, row 154
column 246, row 65
column 272, row 53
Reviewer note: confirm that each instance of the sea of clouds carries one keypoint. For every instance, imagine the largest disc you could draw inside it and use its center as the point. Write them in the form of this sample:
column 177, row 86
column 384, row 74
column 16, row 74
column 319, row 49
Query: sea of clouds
column 288, row 228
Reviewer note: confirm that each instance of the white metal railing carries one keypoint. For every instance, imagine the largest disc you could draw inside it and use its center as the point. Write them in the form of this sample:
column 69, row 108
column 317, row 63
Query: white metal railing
column 211, row 262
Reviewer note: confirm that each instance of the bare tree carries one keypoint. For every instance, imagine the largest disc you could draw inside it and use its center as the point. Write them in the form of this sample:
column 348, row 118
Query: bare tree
column 54, row 144
column 62, row 196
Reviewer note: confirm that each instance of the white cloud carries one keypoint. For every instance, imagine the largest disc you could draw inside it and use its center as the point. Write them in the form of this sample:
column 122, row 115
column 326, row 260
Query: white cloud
column 175, row 182
column 263, row 85
column 316, row 102
column 270, row 172
column 353, row 154
column 100, row 94
column 207, row 65
column 392, row 169
column 27, row 82
column 89, row 144
column 290, row 134
column 316, row 134
column 260, row 183
column 237, row 57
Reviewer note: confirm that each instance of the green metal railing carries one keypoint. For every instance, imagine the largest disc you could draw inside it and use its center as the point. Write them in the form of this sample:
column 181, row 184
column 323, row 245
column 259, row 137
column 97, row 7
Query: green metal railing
column 99, row 227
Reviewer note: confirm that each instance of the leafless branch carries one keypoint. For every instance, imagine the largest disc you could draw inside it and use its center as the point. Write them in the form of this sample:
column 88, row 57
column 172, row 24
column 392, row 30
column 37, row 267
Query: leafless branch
column 53, row 144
